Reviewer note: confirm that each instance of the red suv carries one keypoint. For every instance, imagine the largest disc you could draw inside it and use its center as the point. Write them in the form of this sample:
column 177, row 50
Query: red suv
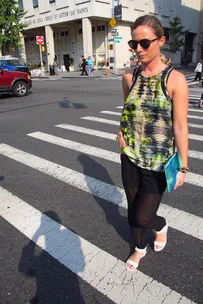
column 14, row 82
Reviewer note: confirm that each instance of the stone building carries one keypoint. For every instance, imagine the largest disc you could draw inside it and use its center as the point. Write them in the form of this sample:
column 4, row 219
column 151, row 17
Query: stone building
column 72, row 28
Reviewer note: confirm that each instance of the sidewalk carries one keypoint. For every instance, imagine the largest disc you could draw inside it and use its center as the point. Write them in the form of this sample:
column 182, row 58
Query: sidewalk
column 102, row 74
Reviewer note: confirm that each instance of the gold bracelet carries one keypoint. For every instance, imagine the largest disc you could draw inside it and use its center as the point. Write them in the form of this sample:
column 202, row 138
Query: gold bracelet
column 183, row 169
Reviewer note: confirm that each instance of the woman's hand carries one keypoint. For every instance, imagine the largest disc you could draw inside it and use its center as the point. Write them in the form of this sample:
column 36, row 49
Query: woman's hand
column 180, row 179
column 120, row 139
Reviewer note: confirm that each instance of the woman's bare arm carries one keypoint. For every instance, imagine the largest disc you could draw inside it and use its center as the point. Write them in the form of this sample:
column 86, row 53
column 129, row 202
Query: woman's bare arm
column 178, row 89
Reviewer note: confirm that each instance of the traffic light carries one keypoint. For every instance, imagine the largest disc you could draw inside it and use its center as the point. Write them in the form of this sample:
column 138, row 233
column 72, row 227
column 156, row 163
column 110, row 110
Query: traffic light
column 42, row 48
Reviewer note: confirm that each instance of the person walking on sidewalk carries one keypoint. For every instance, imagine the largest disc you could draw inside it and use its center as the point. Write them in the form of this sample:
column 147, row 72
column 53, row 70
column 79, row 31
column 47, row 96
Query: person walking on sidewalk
column 198, row 71
column 83, row 66
column 154, row 117
column 89, row 66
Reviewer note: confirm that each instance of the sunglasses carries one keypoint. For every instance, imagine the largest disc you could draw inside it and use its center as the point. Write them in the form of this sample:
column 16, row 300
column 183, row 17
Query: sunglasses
column 144, row 43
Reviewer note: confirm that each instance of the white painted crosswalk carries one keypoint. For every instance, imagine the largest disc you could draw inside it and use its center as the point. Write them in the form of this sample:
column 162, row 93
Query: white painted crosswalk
column 100, row 269
column 103, row 271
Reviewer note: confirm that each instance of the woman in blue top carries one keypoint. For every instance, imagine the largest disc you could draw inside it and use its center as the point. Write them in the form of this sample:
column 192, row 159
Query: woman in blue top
column 89, row 66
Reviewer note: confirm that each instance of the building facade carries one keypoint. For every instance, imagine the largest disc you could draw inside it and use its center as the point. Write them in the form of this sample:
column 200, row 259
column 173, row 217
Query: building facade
column 72, row 28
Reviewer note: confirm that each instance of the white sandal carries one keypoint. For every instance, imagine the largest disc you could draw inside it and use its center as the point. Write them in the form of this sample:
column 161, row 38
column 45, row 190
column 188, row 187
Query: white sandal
column 161, row 244
column 130, row 263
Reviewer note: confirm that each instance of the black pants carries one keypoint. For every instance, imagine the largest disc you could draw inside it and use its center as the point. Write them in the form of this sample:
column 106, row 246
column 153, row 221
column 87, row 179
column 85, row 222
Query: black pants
column 198, row 76
column 144, row 190
column 84, row 71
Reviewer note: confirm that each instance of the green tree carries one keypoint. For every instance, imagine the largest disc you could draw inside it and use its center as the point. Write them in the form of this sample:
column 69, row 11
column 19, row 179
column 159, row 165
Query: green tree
column 177, row 33
column 10, row 24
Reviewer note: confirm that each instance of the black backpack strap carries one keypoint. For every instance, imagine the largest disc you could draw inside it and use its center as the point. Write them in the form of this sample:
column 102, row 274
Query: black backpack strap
column 135, row 75
column 164, row 79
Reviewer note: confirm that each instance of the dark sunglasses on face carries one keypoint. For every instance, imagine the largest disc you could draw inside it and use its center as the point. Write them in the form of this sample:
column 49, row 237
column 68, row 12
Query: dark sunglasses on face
column 144, row 43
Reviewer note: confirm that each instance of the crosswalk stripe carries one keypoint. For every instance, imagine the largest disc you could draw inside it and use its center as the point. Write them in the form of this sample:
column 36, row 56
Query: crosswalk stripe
column 195, row 137
column 95, row 266
column 87, row 131
column 195, row 126
column 102, row 120
column 111, row 113
column 117, row 123
column 72, row 145
column 190, row 109
column 90, row 150
column 108, row 135
column 195, row 154
column 178, row 219
column 195, row 117
column 119, row 114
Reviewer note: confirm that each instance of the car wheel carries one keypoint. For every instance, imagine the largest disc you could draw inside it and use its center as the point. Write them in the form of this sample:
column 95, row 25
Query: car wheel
column 20, row 89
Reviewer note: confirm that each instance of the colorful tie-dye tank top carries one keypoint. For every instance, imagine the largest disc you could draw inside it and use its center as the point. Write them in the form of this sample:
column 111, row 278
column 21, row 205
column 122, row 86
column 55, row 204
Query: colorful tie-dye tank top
column 146, row 121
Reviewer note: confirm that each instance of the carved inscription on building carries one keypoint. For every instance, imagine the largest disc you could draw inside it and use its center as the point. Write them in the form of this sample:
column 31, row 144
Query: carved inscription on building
column 58, row 16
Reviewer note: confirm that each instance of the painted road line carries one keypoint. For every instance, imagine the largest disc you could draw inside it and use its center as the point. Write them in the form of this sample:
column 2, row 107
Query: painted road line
column 117, row 123
column 195, row 117
column 190, row 109
column 195, row 154
column 73, row 178
column 87, row 131
column 107, row 135
column 119, row 114
column 73, row 145
column 195, row 137
column 111, row 113
column 90, row 150
column 195, row 110
column 178, row 219
column 101, row 270
column 102, row 120
column 195, row 126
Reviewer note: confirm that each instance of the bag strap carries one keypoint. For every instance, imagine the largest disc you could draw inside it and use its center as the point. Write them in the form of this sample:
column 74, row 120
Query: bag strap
column 135, row 75
column 164, row 79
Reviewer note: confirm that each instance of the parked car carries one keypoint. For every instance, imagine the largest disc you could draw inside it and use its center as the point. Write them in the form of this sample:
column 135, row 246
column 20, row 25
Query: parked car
column 14, row 82
column 10, row 63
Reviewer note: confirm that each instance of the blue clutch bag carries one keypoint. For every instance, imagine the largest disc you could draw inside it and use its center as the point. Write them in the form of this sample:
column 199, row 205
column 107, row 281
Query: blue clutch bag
column 171, row 169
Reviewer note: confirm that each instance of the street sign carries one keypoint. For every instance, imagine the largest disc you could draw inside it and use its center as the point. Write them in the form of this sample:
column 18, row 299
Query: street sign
column 118, row 37
column 110, row 40
column 40, row 40
column 117, row 41
column 113, row 34
column 112, row 22
column 113, row 30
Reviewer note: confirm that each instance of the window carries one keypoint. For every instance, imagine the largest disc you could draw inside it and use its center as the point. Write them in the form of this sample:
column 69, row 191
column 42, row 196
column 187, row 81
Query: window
column 80, row 31
column 103, row 27
column 93, row 29
column 99, row 29
column 62, row 34
column 51, row 1
column 35, row 3
column 20, row 3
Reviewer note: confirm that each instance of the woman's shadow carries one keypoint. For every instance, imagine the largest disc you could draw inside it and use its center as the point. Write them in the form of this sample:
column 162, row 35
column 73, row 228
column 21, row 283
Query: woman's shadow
column 55, row 283
column 112, row 211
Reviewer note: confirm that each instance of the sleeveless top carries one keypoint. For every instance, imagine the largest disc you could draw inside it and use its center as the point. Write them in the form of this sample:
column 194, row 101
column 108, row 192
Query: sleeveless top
column 146, row 121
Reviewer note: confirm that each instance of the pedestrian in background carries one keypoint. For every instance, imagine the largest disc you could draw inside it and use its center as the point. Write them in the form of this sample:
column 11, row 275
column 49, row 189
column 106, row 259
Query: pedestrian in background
column 154, row 117
column 83, row 65
column 198, row 71
column 200, row 103
column 55, row 64
column 89, row 66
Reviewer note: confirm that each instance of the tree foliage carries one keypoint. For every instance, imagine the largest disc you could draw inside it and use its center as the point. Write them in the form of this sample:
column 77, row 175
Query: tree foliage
column 177, row 33
column 10, row 24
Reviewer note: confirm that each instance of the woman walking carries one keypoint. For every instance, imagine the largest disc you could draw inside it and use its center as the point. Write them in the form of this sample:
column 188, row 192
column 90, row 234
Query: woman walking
column 154, row 117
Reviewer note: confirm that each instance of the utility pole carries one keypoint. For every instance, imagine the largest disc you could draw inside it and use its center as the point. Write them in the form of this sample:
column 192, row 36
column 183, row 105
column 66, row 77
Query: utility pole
column 114, row 43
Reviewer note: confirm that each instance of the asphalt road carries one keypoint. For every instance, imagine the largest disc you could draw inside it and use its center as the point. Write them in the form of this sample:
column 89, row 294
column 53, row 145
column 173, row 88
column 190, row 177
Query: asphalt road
column 64, row 232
